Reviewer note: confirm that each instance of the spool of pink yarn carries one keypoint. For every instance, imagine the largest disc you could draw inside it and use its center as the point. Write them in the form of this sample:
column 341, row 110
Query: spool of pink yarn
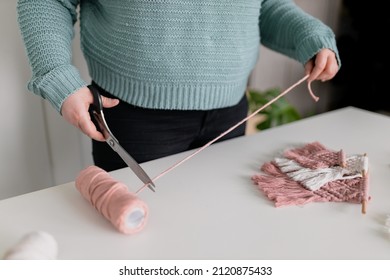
column 112, row 199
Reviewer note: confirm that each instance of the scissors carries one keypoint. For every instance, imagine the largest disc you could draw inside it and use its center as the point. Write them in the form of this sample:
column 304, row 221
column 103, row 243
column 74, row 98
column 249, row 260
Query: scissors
column 96, row 111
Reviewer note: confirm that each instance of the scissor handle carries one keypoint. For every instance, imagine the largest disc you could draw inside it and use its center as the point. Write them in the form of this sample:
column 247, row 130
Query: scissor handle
column 97, row 100
column 96, row 108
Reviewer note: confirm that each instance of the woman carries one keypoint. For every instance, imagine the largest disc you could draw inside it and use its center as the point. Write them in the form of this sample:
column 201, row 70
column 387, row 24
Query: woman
column 172, row 73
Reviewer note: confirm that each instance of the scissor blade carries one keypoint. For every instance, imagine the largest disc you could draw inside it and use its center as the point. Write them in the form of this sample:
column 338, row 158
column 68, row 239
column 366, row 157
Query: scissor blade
column 130, row 161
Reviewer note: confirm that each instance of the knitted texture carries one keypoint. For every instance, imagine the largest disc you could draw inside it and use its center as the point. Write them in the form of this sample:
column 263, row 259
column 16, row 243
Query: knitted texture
column 287, row 183
column 166, row 54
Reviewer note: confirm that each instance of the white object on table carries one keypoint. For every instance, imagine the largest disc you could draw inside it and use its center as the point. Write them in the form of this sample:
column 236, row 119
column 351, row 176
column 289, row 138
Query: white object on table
column 34, row 245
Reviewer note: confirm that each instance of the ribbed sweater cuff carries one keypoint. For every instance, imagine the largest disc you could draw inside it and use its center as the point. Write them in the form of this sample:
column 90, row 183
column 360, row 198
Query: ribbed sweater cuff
column 311, row 46
column 57, row 85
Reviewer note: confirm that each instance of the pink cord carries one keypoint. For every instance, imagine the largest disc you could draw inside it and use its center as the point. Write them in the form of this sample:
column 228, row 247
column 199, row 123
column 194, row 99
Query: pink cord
column 232, row 128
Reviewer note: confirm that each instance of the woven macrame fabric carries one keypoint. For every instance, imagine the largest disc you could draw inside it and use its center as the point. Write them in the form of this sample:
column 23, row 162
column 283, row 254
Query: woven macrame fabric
column 314, row 173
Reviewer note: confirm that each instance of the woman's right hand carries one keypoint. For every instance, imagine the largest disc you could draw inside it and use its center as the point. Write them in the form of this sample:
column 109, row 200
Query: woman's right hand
column 75, row 111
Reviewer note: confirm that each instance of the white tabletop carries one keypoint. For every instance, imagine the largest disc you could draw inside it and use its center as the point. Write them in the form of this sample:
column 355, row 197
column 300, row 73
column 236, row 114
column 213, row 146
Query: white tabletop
column 209, row 208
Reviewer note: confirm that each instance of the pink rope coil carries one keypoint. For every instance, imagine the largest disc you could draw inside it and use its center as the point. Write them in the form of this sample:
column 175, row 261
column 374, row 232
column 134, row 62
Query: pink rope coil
column 112, row 199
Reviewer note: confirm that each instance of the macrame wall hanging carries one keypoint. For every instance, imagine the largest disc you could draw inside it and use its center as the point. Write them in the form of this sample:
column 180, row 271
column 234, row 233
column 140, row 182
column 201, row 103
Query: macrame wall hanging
column 314, row 173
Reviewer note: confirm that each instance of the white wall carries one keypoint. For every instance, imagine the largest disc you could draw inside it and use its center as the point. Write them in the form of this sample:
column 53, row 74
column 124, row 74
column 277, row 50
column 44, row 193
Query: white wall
column 39, row 149
column 25, row 162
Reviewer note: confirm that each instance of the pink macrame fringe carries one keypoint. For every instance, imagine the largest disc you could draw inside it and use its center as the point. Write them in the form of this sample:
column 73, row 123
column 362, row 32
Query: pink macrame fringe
column 282, row 190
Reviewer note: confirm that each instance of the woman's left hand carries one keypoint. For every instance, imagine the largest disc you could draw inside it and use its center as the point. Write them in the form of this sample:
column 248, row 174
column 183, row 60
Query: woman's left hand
column 323, row 66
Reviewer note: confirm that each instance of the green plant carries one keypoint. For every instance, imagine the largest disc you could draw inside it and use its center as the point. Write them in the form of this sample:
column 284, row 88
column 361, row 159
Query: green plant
column 278, row 113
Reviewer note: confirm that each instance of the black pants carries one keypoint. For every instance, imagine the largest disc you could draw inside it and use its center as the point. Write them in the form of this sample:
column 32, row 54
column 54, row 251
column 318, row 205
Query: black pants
column 148, row 134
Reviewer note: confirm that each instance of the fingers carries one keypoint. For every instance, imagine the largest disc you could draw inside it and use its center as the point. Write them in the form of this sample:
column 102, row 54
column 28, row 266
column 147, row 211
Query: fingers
column 109, row 102
column 75, row 111
column 323, row 67
column 86, row 125
column 309, row 67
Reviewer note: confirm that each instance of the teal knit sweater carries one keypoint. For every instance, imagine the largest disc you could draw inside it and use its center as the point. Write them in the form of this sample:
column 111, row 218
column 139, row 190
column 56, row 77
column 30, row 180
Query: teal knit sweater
column 164, row 54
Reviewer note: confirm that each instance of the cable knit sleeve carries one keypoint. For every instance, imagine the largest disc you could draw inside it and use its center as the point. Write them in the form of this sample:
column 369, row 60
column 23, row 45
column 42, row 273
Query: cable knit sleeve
column 47, row 29
column 286, row 28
